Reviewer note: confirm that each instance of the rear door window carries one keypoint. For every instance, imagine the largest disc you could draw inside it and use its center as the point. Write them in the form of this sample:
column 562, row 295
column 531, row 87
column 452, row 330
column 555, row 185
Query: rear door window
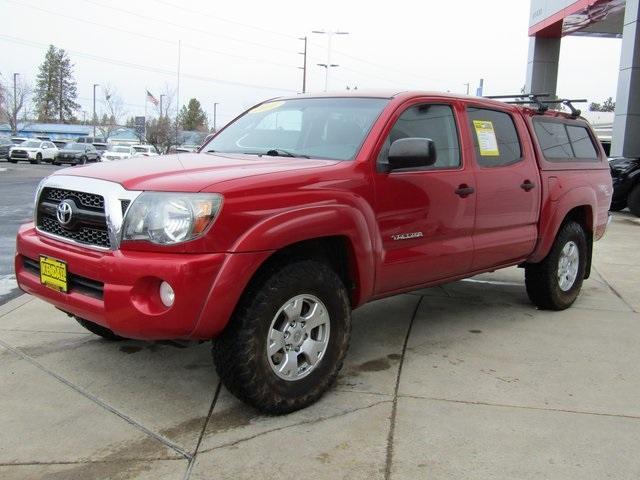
column 495, row 137
column 561, row 142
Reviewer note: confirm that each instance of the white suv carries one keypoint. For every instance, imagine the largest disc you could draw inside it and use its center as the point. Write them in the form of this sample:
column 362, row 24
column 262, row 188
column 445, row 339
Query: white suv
column 33, row 151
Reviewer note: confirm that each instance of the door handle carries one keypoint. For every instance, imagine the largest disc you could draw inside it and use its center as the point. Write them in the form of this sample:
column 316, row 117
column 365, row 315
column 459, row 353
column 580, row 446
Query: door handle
column 464, row 190
column 527, row 185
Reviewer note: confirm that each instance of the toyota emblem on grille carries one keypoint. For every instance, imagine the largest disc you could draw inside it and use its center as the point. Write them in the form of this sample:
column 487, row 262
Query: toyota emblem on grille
column 64, row 212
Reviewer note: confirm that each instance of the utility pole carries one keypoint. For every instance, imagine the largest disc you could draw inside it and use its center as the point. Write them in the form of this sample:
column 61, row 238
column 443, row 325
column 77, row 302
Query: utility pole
column 15, row 105
column 60, row 94
column 215, row 114
column 94, row 109
column 328, row 65
column 161, row 95
column 467, row 84
column 304, row 65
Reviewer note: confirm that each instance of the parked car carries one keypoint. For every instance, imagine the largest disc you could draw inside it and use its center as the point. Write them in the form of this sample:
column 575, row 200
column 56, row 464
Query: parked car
column 33, row 151
column 116, row 152
column 101, row 148
column 91, row 140
column 60, row 143
column 5, row 145
column 77, row 154
column 307, row 207
column 625, row 173
column 143, row 151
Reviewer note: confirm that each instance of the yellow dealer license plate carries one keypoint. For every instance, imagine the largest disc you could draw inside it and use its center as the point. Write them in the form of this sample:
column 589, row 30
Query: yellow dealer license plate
column 53, row 273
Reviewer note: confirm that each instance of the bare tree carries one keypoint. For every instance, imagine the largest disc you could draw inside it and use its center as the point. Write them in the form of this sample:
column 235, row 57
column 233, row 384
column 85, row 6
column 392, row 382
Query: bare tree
column 14, row 103
column 114, row 111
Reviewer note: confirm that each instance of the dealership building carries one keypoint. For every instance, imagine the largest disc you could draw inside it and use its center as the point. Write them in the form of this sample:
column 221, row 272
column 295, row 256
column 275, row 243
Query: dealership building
column 550, row 20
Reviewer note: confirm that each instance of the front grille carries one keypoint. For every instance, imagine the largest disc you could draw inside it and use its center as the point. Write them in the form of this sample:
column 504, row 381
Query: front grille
column 88, row 225
column 19, row 154
column 77, row 283
column 86, row 199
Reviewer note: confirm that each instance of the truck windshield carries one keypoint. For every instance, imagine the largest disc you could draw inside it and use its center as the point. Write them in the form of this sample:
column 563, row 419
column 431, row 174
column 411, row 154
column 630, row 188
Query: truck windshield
column 331, row 128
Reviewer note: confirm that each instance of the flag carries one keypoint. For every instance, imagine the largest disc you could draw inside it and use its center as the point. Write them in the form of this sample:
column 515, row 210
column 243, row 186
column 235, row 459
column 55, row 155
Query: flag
column 152, row 99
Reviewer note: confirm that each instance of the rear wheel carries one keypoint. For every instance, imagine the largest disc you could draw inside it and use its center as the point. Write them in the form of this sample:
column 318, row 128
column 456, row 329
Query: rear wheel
column 634, row 200
column 99, row 330
column 554, row 283
column 288, row 338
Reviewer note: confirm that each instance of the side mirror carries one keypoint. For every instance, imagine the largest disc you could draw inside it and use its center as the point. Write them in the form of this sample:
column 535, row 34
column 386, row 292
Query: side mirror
column 412, row 153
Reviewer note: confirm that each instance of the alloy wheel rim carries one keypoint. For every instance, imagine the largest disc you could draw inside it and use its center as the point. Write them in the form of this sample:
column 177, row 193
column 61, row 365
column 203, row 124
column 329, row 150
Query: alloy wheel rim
column 298, row 337
column 568, row 264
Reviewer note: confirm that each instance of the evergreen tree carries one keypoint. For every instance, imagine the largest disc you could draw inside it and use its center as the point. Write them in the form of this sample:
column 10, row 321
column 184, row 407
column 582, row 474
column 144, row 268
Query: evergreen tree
column 45, row 93
column 192, row 117
column 56, row 91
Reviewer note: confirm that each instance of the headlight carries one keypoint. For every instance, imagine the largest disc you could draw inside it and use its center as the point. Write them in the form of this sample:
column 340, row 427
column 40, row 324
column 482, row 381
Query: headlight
column 169, row 218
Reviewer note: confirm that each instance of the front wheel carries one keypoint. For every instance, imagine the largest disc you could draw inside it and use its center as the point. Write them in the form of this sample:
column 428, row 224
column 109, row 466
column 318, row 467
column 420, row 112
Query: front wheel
column 38, row 158
column 554, row 283
column 287, row 340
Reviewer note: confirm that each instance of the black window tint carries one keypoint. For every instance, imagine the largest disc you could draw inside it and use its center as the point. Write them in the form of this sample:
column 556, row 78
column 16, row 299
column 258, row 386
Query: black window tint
column 495, row 137
column 435, row 122
column 564, row 143
column 581, row 142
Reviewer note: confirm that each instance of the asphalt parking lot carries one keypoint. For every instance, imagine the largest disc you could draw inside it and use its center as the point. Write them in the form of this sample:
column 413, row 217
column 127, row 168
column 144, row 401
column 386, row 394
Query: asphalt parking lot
column 17, row 186
column 465, row 381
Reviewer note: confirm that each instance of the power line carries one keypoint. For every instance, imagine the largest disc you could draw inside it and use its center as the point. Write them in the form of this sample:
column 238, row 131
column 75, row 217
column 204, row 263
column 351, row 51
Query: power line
column 189, row 28
column 150, row 37
column 221, row 19
column 147, row 68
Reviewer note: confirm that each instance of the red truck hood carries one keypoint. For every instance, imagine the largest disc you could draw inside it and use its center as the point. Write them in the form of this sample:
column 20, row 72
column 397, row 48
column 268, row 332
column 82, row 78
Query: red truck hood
column 188, row 172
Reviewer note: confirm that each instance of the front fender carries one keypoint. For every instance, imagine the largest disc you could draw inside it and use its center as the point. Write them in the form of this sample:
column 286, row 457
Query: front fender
column 307, row 223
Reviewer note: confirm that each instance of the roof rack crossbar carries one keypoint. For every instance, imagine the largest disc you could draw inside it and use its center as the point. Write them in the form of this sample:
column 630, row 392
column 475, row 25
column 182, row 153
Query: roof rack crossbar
column 531, row 98
column 519, row 95
column 543, row 105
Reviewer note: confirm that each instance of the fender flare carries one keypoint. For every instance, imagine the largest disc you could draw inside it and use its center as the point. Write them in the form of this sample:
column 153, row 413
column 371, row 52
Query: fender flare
column 308, row 223
column 554, row 214
column 259, row 243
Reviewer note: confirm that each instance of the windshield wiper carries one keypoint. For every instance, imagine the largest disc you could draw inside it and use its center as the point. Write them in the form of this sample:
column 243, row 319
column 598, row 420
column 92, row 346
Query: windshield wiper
column 279, row 152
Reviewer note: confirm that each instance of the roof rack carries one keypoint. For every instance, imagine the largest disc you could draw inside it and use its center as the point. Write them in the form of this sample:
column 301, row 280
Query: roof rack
column 543, row 105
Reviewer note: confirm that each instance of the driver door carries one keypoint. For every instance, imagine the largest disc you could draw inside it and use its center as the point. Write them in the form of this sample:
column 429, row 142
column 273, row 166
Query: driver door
column 425, row 219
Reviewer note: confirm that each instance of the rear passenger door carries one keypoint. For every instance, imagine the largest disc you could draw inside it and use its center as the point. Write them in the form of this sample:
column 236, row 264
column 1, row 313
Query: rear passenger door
column 507, row 188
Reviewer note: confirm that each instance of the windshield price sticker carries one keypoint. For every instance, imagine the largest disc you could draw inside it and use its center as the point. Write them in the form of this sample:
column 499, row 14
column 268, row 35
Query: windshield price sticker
column 487, row 140
column 265, row 107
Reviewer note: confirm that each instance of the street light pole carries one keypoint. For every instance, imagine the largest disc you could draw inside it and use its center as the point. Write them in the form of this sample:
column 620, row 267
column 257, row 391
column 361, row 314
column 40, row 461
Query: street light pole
column 94, row 108
column 15, row 105
column 215, row 114
column 304, row 65
column 328, row 65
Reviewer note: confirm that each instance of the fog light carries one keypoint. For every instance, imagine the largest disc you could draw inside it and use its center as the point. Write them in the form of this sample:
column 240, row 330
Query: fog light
column 167, row 295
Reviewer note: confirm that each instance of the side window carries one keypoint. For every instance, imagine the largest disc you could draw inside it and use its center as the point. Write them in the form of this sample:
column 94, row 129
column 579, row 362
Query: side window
column 581, row 142
column 495, row 137
column 435, row 122
column 560, row 142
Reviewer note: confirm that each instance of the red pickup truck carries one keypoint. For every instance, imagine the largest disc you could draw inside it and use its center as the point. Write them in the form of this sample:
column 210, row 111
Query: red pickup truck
column 305, row 208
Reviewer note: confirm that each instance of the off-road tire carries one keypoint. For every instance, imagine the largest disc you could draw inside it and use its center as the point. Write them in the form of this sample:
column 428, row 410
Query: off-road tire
column 633, row 200
column 541, row 279
column 99, row 330
column 239, row 353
